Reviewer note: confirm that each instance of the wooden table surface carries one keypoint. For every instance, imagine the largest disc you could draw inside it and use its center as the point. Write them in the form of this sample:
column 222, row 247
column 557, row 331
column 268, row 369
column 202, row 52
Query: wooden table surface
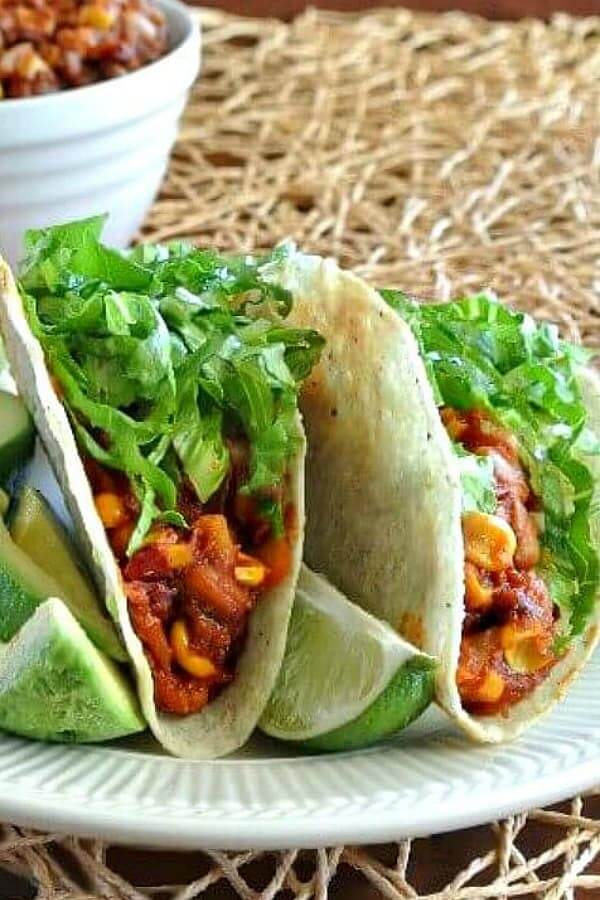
column 495, row 9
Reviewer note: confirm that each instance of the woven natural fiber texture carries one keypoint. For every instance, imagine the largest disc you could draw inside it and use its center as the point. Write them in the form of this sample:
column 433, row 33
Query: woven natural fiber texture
column 435, row 153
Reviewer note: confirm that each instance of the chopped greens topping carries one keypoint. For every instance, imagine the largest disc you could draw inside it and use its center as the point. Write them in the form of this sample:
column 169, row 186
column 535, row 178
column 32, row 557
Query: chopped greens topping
column 480, row 354
column 164, row 353
column 477, row 481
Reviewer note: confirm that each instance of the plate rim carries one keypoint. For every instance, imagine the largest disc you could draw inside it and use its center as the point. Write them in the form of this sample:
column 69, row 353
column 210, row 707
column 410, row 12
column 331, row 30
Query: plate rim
column 183, row 831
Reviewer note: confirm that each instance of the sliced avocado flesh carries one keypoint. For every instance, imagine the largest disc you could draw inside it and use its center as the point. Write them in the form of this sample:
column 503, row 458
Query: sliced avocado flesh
column 24, row 585
column 4, row 503
column 17, row 435
column 405, row 698
column 55, row 685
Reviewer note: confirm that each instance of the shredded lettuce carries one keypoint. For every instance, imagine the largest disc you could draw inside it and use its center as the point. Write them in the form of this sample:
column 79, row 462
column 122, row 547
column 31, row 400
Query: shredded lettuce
column 480, row 354
column 477, row 481
column 164, row 353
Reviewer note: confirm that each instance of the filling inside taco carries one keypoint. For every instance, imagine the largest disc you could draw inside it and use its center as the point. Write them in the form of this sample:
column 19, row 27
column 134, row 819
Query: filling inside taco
column 190, row 590
column 180, row 381
column 509, row 398
column 510, row 624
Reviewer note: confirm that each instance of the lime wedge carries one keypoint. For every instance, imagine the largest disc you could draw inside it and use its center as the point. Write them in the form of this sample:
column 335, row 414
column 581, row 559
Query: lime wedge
column 347, row 679
column 55, row 685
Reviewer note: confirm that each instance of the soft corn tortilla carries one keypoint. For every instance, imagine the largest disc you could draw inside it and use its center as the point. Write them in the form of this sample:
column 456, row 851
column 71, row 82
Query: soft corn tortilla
column 383, row 487
column 227, row 722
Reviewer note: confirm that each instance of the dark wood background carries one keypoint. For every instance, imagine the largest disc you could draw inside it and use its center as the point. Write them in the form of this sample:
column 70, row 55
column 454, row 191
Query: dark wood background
column 495, row 9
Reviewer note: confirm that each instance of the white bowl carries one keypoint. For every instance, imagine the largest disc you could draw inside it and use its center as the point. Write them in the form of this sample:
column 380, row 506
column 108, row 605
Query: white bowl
column 99, row 148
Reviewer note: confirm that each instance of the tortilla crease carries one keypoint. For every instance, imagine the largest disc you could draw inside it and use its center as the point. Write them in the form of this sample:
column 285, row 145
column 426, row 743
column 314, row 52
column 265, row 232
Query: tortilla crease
column 383, row 487
column 226, row 723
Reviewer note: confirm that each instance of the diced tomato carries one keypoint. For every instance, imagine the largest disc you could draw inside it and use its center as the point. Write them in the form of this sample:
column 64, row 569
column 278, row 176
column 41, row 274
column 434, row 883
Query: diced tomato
column 162, row 600
column 276, row 554
column 213, row 542
column 148, row 625
column 217, row 592
column 481, row 431
column 179, row 694
column 150, row 563
column 207, row 636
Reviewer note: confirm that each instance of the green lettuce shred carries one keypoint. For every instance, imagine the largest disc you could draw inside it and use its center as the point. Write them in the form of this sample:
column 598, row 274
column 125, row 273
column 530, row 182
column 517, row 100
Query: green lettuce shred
column 164, row 352
column 481, row 354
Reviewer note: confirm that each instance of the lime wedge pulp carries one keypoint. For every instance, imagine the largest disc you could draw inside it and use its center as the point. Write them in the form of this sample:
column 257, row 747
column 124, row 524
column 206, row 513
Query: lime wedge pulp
column 55, row 685
column 347, row 679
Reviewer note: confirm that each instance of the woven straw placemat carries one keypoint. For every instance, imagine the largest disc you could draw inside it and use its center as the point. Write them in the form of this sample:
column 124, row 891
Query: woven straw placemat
column 440, row 154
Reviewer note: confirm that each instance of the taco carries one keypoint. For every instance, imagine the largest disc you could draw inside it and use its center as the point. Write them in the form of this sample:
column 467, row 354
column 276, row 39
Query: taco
column 452, row 486
column 164, row 386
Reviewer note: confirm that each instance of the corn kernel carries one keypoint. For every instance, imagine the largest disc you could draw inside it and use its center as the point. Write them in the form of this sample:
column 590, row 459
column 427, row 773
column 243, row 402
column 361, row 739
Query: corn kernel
column 111, row 509
column 491, row 688
column 490, row 542
column 478, row 595
column 96, row 17
column 178, row 555
column 194, row 663
column 249, row 571
column 524, row 649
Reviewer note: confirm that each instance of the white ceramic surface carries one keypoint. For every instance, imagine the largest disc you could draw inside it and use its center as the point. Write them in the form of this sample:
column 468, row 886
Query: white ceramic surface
column 429, row 779
column 100, row 148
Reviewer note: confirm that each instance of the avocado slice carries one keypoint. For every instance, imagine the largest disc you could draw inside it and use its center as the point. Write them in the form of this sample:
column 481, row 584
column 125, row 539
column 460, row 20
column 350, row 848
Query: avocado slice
column 17, row 434
column 4, row 503
column 55, row 685
column 24, row 585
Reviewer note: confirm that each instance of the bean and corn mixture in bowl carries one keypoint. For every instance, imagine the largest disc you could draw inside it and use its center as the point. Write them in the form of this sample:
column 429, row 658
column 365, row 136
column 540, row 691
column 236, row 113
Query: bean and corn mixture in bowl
column 51, row 45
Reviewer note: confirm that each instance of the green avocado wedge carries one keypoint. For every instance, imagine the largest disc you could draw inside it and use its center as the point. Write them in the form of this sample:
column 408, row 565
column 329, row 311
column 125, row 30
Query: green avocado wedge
column 17, row 435
column 24, row 585
column 4, row 503
column 55, row 685
column 347, row 679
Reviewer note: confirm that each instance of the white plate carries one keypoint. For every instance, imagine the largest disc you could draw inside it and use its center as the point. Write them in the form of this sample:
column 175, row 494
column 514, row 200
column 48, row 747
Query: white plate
column 429, row 780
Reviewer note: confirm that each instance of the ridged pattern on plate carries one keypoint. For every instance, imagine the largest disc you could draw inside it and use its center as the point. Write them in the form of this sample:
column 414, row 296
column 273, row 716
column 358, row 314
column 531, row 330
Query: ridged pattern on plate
column 266, row 798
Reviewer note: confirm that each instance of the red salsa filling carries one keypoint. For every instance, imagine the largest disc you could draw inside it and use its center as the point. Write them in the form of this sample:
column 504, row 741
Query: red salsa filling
column 509, row 628
column 190, row 591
